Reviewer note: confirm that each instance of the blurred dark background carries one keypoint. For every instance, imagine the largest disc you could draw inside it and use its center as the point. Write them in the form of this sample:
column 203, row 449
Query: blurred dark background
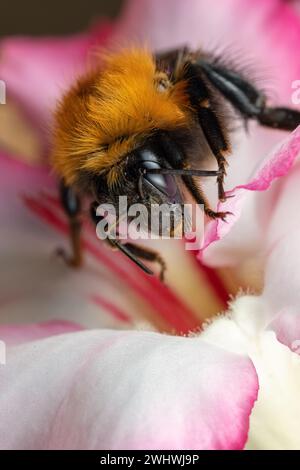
column 38, row 17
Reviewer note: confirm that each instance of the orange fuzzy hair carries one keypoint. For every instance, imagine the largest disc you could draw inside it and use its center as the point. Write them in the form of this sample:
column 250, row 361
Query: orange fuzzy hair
column 111, row 111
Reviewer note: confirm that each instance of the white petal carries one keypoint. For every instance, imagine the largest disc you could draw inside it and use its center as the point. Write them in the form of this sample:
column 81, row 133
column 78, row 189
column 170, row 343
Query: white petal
column 125, row 390
column 274, row 422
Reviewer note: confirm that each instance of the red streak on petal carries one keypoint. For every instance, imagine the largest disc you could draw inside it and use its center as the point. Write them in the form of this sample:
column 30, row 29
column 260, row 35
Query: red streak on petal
column 167, row 300
column 169, row 304
column 44, row 213
column 213, row 279
column 174, row 312
column 216, row 283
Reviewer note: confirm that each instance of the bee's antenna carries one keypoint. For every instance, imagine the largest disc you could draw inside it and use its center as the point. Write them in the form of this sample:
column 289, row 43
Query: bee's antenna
column 183, row 172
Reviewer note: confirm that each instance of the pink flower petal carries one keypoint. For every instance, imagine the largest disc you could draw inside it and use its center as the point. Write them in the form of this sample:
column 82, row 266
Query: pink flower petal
column 274, row 166
column 294, row 5
column 272, row 25
column 34, row 226
column 37, row 70
column 125, row 390
column 282, row 274
column 35, row 285
column 17, row 334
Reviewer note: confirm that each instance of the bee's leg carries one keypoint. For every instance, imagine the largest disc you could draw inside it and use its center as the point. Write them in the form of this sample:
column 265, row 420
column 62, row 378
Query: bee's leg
column 279, row 118
column 201, row 199
column 148, row 255
column 250, row 102
column 214, row 130
column 215, row 136
column 136, row 251
column 71, row 204
column 133, row 252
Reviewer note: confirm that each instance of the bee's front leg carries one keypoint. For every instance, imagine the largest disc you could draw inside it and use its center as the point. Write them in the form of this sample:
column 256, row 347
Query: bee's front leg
column 132, row 251
column 72, row 207
column 137, row 251
column 200, row 199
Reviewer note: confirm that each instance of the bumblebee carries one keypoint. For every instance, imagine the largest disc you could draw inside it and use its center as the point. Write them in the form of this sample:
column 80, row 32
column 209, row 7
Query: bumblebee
column 134, row 126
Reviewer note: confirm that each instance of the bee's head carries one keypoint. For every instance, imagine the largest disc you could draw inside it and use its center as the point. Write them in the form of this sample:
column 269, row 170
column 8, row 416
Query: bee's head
column 111, row 110
column 143, row 178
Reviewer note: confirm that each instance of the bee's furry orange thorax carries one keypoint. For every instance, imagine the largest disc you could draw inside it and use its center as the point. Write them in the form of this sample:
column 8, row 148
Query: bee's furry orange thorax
column 110, row 111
